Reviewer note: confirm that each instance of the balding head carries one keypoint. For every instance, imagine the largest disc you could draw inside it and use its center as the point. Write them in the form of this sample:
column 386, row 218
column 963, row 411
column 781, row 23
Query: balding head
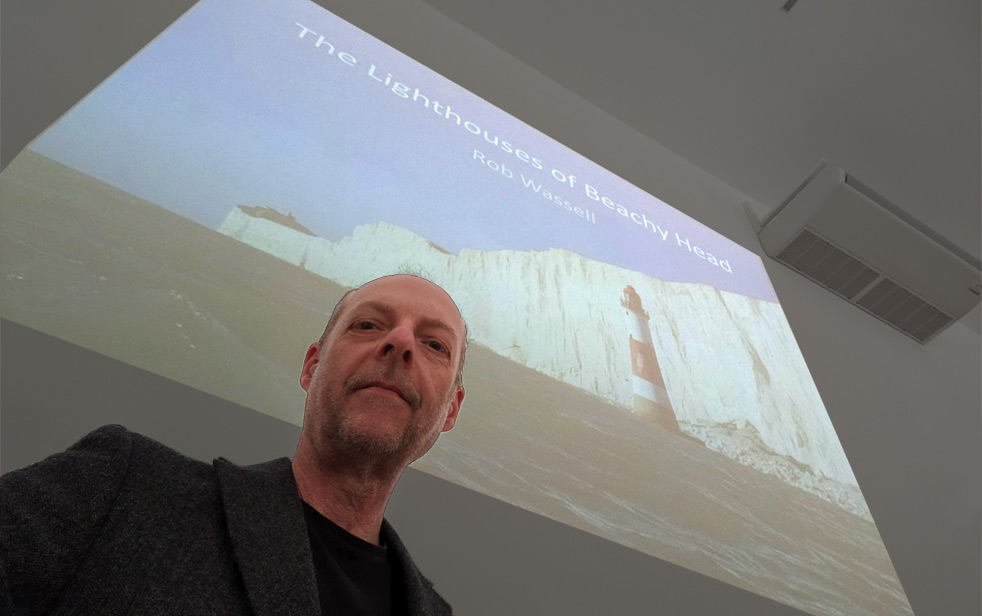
column 384, row 381
column 339, row 309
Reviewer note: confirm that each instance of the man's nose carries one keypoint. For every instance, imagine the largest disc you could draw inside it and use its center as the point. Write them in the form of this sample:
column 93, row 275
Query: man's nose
column 399, row 344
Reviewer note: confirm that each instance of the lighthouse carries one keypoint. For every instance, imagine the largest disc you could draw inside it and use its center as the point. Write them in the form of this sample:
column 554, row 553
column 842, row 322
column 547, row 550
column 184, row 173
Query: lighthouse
column 650, row 396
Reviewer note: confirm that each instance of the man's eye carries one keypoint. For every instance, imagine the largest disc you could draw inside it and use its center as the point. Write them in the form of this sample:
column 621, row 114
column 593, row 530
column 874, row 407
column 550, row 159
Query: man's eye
column 435, row 345
column 364, row 325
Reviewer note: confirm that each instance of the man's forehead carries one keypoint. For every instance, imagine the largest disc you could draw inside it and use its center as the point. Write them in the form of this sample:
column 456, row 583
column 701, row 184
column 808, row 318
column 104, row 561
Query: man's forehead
column 392, row 293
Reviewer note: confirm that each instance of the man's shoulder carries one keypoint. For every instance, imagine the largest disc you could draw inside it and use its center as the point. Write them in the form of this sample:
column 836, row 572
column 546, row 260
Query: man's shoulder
column 105, row 460
column 116, row 441
column 154, row 465
column 120, row 502
column 134, row 450
column 110, row 443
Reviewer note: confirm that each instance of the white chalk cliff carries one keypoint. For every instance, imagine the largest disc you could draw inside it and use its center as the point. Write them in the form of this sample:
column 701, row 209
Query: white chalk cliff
column 727, row 359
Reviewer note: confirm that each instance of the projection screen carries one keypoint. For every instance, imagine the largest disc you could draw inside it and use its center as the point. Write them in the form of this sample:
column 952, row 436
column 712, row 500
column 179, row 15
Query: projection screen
column 630, row 371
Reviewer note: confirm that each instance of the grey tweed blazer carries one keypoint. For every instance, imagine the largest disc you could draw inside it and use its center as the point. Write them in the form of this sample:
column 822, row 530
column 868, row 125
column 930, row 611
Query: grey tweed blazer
column 120, row 524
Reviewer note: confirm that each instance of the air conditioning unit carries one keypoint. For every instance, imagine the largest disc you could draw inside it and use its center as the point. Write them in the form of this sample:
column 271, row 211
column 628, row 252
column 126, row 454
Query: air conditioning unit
column 837, row 232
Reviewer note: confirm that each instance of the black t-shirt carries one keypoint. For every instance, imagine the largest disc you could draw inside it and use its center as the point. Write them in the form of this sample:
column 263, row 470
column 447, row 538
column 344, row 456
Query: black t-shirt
column 354, row 577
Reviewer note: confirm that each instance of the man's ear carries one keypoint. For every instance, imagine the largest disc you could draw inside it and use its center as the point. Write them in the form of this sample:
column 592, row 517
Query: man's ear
column 309, row 365
column 455, row 403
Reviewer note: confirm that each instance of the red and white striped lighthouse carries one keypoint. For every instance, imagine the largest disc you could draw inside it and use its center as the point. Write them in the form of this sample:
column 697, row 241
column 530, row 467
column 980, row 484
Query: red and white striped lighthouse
column 650, row 396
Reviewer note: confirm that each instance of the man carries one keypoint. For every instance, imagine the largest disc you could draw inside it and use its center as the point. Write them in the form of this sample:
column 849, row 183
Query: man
column 121, row 524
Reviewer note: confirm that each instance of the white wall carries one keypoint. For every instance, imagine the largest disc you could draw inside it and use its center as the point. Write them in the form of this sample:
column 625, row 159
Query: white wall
column 908, row 416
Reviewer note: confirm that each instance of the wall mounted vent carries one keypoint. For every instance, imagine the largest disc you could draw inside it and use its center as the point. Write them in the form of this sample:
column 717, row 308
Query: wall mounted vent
column 837, row 232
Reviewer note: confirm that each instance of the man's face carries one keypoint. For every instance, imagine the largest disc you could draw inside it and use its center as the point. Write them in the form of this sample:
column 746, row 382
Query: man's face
column 383, row 383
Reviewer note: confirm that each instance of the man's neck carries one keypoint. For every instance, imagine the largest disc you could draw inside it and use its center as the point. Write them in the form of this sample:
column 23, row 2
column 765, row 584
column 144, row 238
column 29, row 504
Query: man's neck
column 351, row 496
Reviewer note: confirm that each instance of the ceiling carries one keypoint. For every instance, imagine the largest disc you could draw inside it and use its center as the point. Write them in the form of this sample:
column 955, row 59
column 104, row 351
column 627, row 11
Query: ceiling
column 887, row 90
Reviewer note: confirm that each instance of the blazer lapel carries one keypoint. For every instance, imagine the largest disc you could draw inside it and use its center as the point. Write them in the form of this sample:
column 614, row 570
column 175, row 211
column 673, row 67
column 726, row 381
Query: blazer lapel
column 421, row 598
column 269, row 537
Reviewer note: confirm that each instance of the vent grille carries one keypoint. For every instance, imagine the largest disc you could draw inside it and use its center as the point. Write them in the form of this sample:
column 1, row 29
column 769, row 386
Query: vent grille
column 905, row 311
column 827, row 265
column 847, row 277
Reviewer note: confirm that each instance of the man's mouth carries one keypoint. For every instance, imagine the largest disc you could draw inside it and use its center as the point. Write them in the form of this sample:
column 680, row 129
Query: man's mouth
column 404, row 391
column 385, row 386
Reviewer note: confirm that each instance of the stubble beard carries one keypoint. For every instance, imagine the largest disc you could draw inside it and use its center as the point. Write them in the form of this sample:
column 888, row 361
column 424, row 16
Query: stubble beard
column 351, row 442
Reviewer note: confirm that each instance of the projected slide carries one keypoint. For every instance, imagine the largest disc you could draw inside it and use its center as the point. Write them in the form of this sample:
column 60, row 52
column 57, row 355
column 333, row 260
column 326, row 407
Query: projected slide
column 630, row 373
